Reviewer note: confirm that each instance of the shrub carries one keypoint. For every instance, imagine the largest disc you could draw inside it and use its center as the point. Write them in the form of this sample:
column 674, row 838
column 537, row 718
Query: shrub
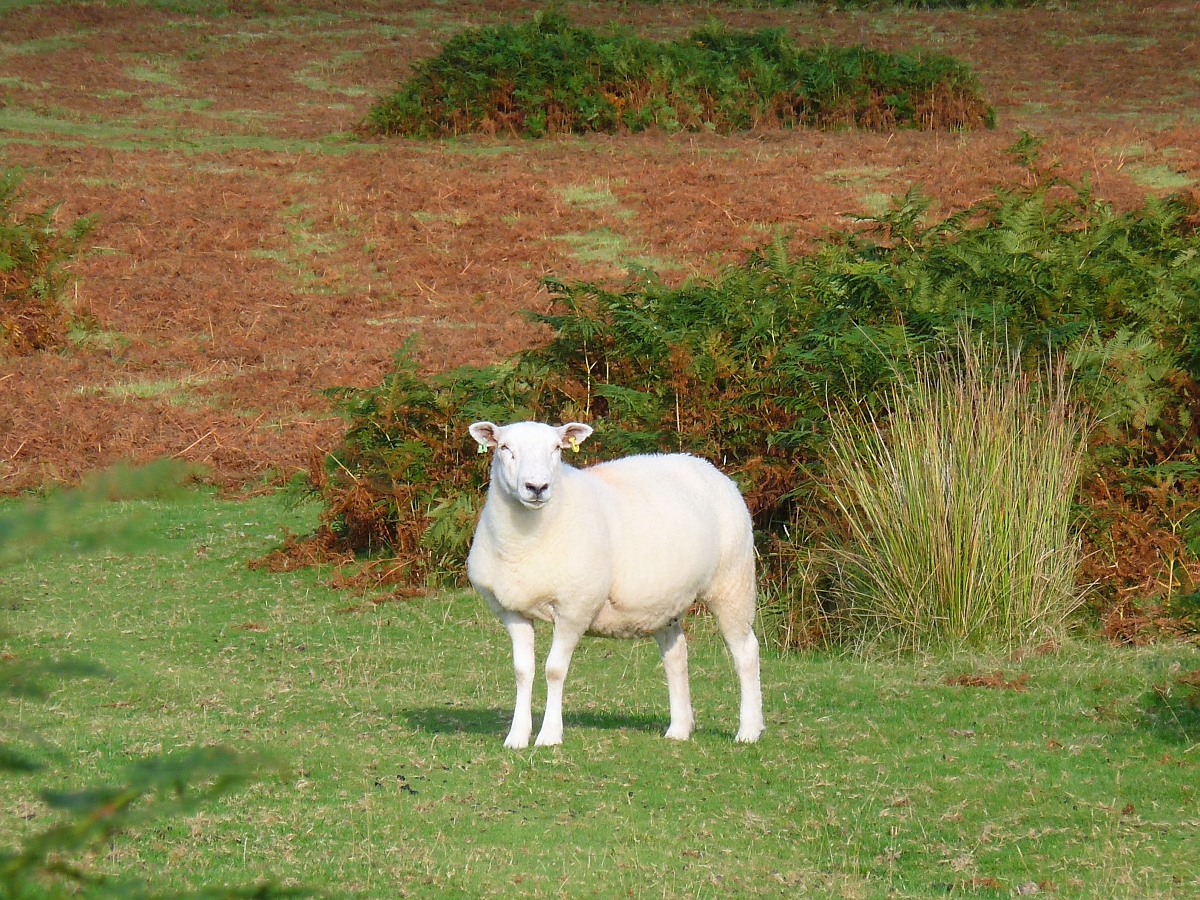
column 32, row 255
column 744, row 368
column 547, row 76
column 960, row 509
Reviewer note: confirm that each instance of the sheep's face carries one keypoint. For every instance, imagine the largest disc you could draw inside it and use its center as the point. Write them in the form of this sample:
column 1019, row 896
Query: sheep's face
column 527, row 457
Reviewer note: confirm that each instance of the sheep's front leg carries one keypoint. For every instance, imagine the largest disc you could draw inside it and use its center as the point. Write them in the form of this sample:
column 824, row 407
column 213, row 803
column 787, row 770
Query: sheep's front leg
column 566, row 636
column 520, row 629
column 672, row 646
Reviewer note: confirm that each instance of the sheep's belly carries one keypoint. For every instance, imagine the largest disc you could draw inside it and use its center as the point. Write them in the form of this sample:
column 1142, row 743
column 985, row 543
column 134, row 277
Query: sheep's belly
column 618, row 623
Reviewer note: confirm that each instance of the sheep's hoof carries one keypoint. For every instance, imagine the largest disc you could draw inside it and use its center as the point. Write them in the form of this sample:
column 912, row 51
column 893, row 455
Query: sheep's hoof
column 675, row 733
column 516, row 742
column 748, row 735
column 548, row 740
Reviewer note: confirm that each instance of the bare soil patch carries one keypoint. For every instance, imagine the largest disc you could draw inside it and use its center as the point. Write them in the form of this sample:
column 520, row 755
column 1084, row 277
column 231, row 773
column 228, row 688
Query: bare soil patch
column 254, row 245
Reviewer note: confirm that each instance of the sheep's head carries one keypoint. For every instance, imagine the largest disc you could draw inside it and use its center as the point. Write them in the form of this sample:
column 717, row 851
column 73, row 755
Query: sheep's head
column 527, row 456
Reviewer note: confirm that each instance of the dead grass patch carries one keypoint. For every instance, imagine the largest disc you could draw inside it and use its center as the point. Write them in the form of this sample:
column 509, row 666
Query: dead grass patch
column 990, row 680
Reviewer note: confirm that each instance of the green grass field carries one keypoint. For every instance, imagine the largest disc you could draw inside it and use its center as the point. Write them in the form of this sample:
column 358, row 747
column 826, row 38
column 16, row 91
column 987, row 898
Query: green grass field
column 874, row 778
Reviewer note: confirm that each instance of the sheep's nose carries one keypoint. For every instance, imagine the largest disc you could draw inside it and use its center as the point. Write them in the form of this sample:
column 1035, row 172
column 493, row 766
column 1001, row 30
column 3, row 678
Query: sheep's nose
column 536, row 489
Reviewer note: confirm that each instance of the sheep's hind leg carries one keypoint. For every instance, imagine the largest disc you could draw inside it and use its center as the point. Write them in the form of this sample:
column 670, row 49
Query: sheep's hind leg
column 672, row 646
column 744, row 649
column 566, row 636
column 732, row 602
column 520, row 629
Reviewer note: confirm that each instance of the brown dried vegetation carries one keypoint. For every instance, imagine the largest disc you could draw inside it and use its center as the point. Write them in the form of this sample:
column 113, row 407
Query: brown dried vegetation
column 250, row 249
column 990, row 680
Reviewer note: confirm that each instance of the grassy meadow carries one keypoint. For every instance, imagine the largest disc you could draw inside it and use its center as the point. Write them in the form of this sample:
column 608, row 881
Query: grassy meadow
column 256, row 246
column 875, row 778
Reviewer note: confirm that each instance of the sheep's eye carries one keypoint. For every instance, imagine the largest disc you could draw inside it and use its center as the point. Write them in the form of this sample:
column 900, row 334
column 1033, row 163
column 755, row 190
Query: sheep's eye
column 504, row 448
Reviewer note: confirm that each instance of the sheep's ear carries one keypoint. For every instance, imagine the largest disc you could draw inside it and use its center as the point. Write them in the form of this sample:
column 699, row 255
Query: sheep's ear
column 486, row 434
column 573, row 434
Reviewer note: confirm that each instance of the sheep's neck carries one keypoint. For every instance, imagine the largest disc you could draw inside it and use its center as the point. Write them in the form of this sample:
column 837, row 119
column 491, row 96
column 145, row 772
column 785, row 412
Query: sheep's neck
column 515, row 526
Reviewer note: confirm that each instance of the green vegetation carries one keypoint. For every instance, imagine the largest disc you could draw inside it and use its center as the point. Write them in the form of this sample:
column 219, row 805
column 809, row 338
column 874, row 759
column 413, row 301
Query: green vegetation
column 52, row 862
column 598, row 196
column 23, row 126
column 1160, row 177
column 875, row 777
column 207, row 8
column 961, row 512
column 33, row 254
column 603, row 245
column 61, row 519
column 745, row 370
column 547, row 76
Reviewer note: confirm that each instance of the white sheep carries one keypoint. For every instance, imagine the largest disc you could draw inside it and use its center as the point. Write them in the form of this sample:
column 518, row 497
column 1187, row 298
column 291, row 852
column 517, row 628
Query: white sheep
column 621, row 549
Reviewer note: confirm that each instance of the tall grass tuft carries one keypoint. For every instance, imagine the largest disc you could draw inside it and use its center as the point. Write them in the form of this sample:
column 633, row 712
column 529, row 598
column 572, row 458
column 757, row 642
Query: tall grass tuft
column 960, row 510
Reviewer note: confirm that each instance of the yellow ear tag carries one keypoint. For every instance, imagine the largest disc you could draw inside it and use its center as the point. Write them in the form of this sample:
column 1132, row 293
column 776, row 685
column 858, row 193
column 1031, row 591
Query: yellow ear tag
column 482, row 448
column 574, row 442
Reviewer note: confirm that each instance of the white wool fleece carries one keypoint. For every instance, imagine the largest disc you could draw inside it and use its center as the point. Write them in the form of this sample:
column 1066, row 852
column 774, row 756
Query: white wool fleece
column 621, row 549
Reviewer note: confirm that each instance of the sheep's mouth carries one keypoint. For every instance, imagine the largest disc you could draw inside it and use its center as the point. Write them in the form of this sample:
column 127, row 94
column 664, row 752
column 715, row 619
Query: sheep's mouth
column 534, row 503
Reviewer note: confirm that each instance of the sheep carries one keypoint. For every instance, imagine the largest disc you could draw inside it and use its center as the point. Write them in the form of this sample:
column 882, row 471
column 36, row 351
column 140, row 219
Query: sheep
column 621, row 549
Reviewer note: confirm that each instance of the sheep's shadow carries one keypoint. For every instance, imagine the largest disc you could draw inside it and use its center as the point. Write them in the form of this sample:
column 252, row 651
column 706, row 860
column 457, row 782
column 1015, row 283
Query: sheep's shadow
column 469, row 720
column 614, row 721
